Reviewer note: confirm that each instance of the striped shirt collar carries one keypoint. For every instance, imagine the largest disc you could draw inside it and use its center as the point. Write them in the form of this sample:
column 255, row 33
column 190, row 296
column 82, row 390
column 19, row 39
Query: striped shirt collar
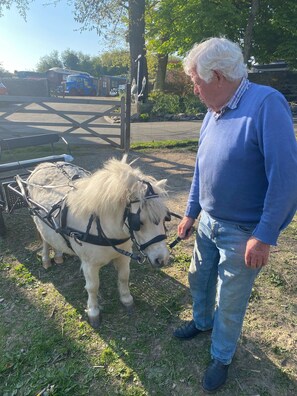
column 233, row 102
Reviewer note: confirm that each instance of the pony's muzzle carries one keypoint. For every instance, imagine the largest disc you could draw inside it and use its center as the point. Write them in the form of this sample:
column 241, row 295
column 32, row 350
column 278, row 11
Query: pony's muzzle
column 160, row 259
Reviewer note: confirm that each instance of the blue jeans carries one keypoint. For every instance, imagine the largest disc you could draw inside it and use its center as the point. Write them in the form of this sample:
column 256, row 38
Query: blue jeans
column 221, row 283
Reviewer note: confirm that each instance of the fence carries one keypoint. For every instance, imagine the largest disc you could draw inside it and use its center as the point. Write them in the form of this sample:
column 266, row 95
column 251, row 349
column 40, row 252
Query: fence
column 71, row 117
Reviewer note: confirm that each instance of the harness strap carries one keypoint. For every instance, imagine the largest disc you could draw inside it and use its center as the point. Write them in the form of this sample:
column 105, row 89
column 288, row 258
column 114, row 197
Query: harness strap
column 113, row 245
column 87, row 233
column 157, row 239
column 63, row 220
column 82, row 236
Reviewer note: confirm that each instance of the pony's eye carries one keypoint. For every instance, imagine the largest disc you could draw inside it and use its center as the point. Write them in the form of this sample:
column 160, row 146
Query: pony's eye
column 167, row 217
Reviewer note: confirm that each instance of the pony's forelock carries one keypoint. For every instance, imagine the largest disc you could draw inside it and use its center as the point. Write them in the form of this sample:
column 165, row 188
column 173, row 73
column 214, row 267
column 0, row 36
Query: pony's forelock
column 111, row 188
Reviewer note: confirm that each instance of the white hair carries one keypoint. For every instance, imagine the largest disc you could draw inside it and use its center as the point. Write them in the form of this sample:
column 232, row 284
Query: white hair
column 216, row 54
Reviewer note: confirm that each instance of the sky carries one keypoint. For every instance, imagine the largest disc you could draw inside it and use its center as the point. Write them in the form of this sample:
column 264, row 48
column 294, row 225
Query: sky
column 48, row 28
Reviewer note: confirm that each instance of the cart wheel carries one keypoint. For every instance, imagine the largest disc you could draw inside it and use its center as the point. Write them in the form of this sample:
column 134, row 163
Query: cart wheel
column 2, row 225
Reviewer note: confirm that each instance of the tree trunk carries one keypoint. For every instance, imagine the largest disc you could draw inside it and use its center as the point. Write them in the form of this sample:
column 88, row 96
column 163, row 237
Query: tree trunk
column 138, row 69
column 161, row 72
column 249, row 30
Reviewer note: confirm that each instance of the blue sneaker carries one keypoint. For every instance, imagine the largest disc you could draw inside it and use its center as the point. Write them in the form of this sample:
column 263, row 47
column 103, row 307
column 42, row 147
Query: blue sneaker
column 215, row 376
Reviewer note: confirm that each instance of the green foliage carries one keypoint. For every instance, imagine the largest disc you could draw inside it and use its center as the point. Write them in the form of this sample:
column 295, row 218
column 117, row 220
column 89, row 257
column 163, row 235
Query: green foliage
column 276, row 279
column 112, row 63
column 21, row 5
column 161, row 103
column 192, row 105
column 144, row 117
column 175, row 25
column 23, row 276
column 71, row 59
column 164, row 103
column 48, row 61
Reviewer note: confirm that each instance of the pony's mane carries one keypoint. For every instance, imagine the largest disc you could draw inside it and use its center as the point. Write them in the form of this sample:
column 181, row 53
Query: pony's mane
column 112, row 187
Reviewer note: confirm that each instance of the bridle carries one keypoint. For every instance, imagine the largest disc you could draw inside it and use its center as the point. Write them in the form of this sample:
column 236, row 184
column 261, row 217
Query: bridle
column 133, row 223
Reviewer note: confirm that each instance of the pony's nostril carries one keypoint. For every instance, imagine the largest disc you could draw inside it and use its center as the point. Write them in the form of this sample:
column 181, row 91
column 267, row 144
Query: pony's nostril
column 159, row 263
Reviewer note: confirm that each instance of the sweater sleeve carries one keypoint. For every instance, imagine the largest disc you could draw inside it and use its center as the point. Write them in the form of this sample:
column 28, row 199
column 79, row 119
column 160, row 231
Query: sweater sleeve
column 193, row 207
column 278, row 146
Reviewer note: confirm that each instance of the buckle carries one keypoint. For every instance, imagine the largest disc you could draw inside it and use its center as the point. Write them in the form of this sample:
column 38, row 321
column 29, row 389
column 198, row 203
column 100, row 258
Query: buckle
column 75, row 236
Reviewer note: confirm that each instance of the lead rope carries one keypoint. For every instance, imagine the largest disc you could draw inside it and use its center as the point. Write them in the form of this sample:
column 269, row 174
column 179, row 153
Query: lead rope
column 178, row 239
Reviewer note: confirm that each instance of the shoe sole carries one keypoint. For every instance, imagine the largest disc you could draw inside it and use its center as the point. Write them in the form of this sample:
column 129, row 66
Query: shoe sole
column 202, row 332
column 214, row 390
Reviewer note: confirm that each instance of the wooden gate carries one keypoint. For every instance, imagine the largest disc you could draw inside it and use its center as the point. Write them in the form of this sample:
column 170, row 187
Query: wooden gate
column 75, row 118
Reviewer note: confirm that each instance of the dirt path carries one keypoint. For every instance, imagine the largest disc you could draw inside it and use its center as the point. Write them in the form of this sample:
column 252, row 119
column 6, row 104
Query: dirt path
column 175, row 166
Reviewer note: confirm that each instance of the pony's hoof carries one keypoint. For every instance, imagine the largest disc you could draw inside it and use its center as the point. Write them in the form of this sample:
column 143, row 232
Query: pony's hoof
column 95, row 321
column 58, row 259
column 130, row 309
column 46, row 264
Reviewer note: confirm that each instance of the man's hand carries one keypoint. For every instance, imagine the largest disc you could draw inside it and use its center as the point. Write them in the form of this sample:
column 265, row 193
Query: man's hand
column 184, row 228
column 256, row 253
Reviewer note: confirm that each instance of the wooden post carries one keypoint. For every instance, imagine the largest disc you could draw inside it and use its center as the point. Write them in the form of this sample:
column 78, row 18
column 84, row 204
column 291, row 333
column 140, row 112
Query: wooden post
column 128, row 117
column 123, row 124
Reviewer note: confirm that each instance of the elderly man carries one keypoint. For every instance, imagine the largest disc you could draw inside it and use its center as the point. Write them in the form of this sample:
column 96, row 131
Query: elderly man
column 244, row 189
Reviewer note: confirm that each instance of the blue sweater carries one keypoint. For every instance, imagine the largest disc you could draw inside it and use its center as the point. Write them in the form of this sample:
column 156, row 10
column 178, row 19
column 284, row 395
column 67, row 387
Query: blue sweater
column 246, row 167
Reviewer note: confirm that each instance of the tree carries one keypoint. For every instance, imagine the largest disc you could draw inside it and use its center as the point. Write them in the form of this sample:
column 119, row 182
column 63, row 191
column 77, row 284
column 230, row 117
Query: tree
column 71, row 59
column 3, row 72
column 21, row 5
column 266, row 30
column 275, row 32
column 118, row 13
column 115, row 62
column 48, row 61
column 248, row 34
column 136, row 41
column 173, row 26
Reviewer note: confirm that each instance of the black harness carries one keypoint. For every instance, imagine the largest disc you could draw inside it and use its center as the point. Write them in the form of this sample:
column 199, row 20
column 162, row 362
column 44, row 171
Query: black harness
column 56, row 218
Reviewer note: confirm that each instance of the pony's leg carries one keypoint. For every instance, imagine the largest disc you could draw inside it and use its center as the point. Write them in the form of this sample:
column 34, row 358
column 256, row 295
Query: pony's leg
column 91, row 274
column 122, row 264
column 58, row 257
column 46, row 261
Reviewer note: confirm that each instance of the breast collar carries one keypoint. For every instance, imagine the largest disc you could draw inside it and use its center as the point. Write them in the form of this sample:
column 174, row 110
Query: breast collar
column 82, row 236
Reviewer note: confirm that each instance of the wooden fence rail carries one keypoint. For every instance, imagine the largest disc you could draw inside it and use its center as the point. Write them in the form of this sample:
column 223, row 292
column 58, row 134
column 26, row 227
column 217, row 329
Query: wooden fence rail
column 76, row 117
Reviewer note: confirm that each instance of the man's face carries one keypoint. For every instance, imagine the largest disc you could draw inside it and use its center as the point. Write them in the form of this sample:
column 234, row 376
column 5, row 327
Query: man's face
column 207, row 92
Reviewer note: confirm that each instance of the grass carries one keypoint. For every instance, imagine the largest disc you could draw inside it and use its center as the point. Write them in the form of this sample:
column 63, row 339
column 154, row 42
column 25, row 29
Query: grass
column 189, row 145
column 32, row 152
column 47, row 343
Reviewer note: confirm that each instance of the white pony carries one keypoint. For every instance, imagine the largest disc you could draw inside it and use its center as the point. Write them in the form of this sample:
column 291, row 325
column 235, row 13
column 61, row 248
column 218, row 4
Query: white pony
column 116, row 206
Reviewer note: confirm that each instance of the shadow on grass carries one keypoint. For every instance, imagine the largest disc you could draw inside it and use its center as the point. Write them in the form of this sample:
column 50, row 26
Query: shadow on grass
column 46, row 339
column 130, row 354
column 38, row 351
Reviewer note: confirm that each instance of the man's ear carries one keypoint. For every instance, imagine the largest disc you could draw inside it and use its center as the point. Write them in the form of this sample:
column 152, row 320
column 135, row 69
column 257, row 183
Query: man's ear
column 219, row 76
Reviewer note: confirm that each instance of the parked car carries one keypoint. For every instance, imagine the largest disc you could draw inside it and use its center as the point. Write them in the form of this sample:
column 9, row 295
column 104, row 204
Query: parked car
column 3, row 89
column 80, row 84
column 113, row 92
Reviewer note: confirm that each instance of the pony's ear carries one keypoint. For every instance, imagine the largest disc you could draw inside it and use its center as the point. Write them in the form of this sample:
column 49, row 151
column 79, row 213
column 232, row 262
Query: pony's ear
column 124, row 159
column 162, row 183
column 132, row 162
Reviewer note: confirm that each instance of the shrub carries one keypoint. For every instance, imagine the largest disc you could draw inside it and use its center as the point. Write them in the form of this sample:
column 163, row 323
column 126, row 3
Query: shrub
column 164, row 103
column 144, row 117
column 192, row 105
